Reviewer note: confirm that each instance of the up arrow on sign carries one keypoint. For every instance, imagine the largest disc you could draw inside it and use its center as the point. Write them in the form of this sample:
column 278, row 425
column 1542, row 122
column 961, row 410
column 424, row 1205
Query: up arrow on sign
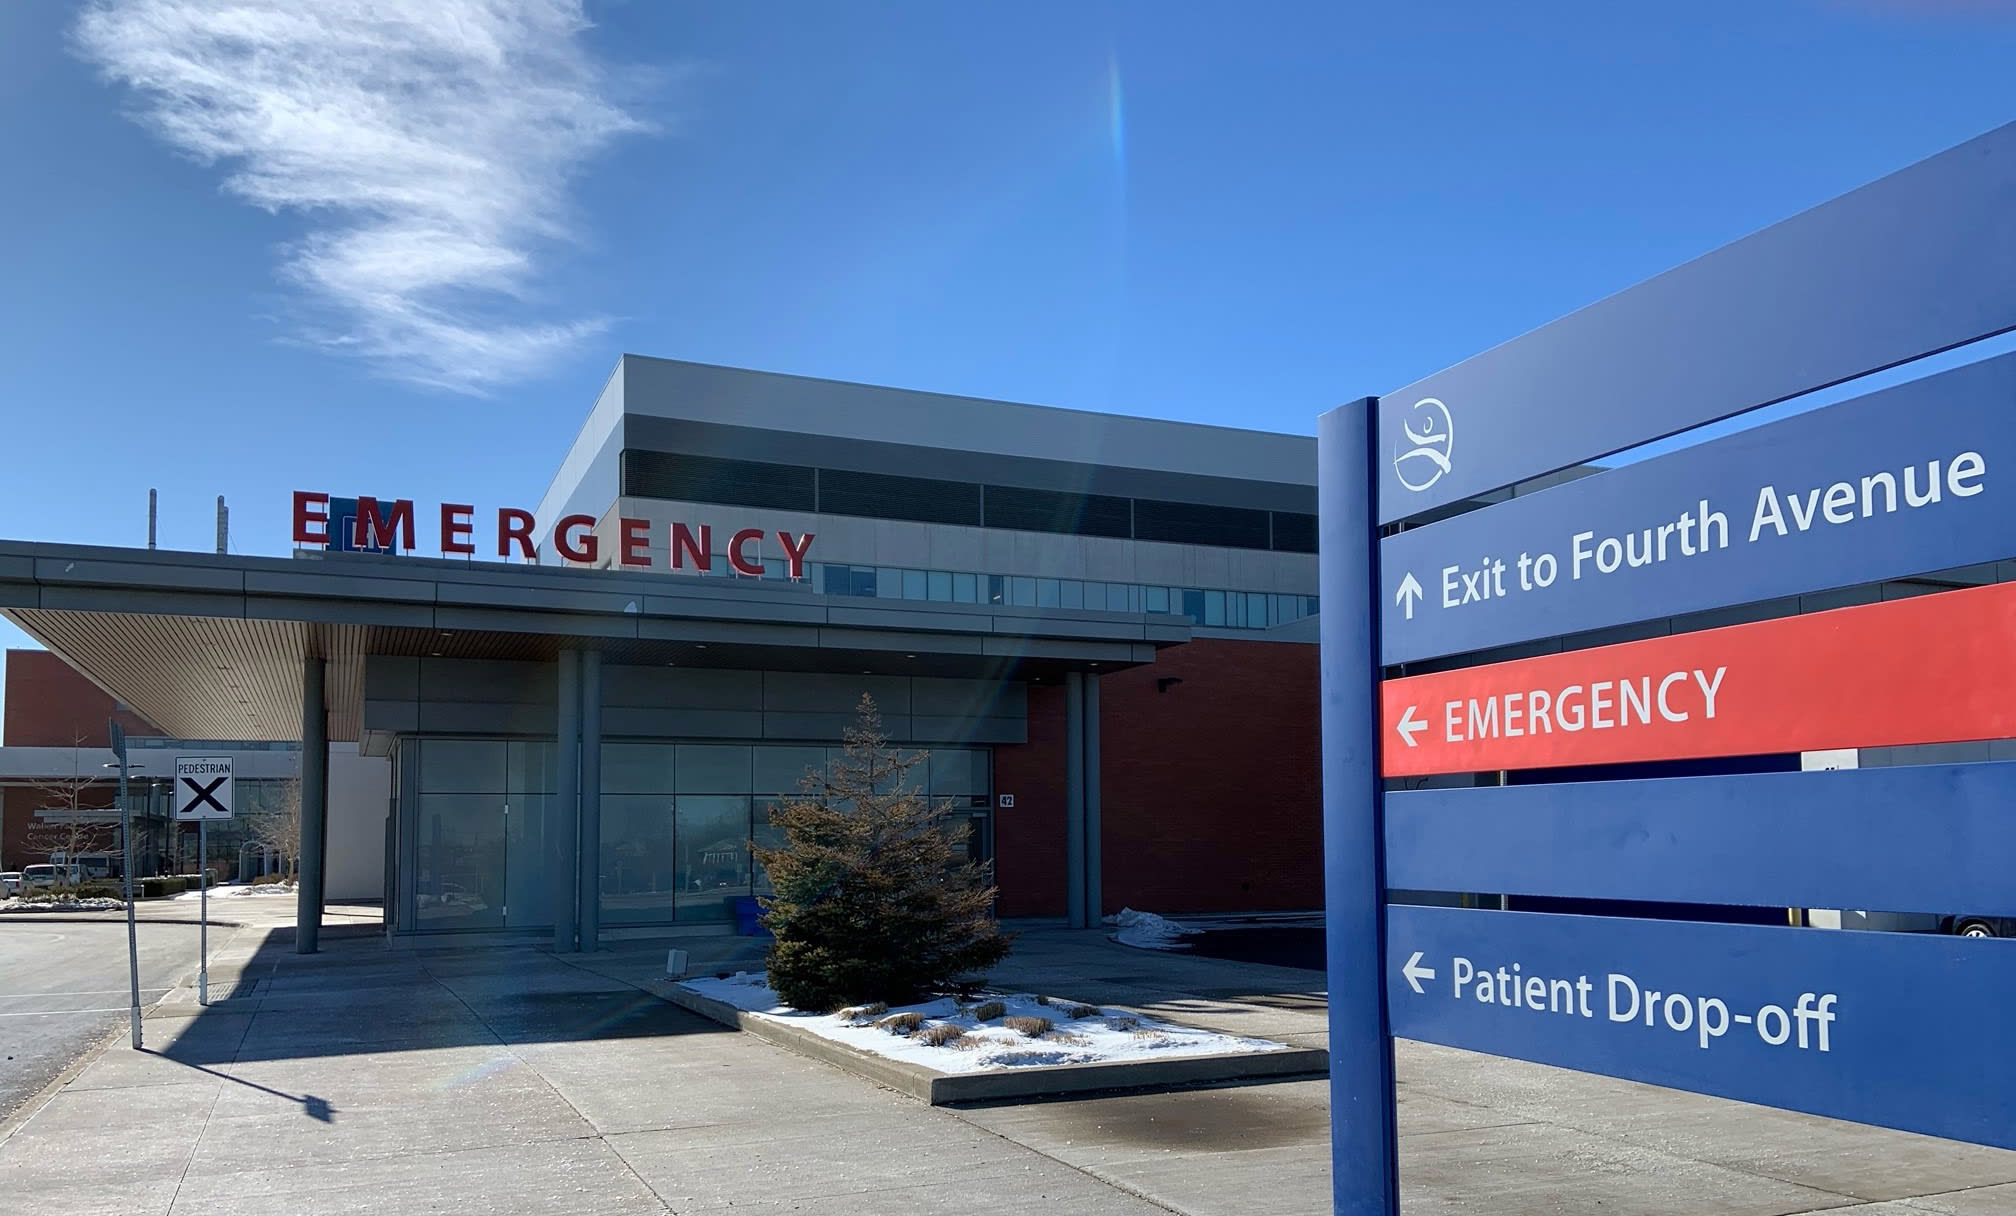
column 1414, row 973
column 1409, row 594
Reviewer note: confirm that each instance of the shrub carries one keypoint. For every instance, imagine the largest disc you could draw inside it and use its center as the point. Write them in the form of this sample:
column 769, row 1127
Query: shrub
column 1082, row 1011
column 1034, row 1028
column 861, row 1013
column 100, row 889
column 1122, row 1023
column 902, row 1023
column 869, row 900
column 266, row 879
column 939, row 1035
column 989, row 1011
column 1041, row 999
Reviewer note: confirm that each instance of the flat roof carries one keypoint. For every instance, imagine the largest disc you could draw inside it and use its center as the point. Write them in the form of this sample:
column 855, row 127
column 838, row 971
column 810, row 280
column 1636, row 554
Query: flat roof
column 210, row 646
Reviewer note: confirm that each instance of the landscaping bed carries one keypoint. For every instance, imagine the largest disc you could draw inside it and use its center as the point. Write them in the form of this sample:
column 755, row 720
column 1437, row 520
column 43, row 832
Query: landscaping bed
column 996, row 1045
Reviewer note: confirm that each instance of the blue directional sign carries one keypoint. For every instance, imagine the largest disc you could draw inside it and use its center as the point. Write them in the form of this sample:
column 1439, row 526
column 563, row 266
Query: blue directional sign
column 1917, row 262
column 1844, row 1024
column 1912, row 479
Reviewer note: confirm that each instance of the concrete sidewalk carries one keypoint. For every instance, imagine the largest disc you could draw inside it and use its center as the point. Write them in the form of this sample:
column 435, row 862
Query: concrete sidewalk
column 367, row 1079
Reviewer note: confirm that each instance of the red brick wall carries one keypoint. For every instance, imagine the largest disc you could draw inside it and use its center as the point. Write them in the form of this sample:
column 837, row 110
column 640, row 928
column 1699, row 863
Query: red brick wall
column 18, row 804
column 49, row 704
column 1029, row 837
column 1210, row 793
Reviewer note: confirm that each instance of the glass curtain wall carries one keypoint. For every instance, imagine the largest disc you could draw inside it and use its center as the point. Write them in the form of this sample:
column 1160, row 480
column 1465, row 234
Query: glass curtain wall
column 480, row 853
column 677, row 823
column 678, row 820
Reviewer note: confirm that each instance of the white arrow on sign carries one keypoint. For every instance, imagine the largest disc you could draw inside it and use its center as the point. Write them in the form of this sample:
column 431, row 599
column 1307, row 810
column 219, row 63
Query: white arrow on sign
column 1410, row 726
column 1409, row 594
column 1414, row 973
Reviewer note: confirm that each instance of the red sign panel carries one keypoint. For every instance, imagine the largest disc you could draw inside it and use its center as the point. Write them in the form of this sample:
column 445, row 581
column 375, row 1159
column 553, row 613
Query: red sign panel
column 1933, row 669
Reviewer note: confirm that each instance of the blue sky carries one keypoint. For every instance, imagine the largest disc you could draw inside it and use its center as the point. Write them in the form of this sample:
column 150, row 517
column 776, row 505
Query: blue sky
column 270, row 245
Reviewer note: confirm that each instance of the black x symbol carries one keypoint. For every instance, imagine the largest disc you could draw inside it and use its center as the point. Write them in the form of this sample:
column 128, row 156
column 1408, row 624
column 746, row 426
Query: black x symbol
column 203, row 795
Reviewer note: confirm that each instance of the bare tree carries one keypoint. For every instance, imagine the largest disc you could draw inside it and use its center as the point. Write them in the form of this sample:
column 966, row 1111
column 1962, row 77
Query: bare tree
column 73, row 821
column 279, row 828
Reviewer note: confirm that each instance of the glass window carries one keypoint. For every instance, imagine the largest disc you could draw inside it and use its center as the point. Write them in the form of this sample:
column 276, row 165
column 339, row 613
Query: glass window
column 1116, row 597
column 958, row 771
column 1022, row 592
column 965, row 588
column 638, row 862
column 459, row 857
column 914, row 585
column 1310, row 605
column 838, row 580
column 997, row 589
column 531, row 767
column 1158, row 599
column 718, row 564
column 764, row 836
column 780, row 769
column 461, row 766
column 528, row 896
column 1046, row 593
column 637, row 768
column 863, row 580
column 888, row 583
column 1070, row 594
column 1256, row 610
column 707, row 768
column 1214, row 608
column 713, row 848
column 1193, row 604
column 1134, row 597
column 940, row 586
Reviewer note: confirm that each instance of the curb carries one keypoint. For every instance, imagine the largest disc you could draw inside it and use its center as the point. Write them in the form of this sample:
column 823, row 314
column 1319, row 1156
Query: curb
column 948, row 1089
column 75, row 918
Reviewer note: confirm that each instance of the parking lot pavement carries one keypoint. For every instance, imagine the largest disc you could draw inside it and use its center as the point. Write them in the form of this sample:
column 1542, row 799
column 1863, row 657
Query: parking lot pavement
column 367, row 1080
column 64, row 986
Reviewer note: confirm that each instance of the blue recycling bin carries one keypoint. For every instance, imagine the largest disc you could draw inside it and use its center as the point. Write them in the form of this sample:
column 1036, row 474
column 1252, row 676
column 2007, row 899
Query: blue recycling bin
column 748, row 916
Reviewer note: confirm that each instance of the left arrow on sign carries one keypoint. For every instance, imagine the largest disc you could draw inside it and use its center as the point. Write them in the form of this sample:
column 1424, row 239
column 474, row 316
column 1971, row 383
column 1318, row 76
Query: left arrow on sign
column 1409, row 594
column 1414, row 973
column 1409, row 725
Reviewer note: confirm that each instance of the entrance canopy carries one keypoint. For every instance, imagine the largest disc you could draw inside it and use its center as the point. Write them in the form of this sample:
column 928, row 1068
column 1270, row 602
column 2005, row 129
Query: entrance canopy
column 211, row 646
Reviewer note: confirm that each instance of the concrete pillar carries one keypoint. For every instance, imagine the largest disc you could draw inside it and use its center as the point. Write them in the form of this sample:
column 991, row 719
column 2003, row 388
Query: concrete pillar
column 591, row 799
column 1074, row 799
column 1095, row 894
column 314, row 807
column 562, row 821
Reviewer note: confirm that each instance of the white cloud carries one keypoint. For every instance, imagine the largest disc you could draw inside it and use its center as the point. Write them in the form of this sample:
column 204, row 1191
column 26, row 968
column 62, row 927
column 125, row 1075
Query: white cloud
column 427, row 146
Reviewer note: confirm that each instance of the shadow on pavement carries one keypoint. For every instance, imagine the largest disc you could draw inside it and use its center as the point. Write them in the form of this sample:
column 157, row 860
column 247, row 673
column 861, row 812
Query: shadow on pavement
column 359, row 997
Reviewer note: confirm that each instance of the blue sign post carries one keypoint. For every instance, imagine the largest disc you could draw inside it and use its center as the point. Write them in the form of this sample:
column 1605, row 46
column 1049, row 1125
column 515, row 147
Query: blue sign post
column 1896, row 484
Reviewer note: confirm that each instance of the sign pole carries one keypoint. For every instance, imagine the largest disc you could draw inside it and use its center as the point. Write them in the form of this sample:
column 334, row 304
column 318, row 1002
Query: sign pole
column 118, row 734
column 1363, row 1130
column 203, row 957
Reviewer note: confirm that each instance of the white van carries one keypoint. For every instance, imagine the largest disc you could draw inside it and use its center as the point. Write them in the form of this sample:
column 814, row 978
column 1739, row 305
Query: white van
column 45, row 877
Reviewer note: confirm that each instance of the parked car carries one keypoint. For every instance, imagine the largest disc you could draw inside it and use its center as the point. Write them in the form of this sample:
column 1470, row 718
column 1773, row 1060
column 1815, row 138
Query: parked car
column 45, row 877
column 1980, row 926
column 10, row 883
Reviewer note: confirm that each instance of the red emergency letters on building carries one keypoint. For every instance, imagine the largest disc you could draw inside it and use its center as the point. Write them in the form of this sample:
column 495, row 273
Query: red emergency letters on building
column 381, row 524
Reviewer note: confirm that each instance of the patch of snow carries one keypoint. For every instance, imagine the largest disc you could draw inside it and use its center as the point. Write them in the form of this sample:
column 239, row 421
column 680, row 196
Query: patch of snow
column 1149, row 931
column 60, row 905
column 1106, row 1035
column 236, row 890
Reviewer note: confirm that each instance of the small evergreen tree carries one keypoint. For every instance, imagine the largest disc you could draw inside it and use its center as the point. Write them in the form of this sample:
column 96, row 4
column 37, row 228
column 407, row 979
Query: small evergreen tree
column 868, row 903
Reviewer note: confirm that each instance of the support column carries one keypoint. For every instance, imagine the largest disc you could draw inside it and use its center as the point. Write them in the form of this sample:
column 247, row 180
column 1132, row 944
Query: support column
column 314, row 807
column 1095, row 893
column 1074, row 799
column 590, row 887
column 562, row 822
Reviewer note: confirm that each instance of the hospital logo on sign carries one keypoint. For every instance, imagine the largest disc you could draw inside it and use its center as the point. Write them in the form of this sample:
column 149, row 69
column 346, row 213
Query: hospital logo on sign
column 1433, row 434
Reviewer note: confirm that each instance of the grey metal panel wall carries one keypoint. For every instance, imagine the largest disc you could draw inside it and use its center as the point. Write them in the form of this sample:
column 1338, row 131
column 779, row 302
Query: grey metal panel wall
column 490, row 697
